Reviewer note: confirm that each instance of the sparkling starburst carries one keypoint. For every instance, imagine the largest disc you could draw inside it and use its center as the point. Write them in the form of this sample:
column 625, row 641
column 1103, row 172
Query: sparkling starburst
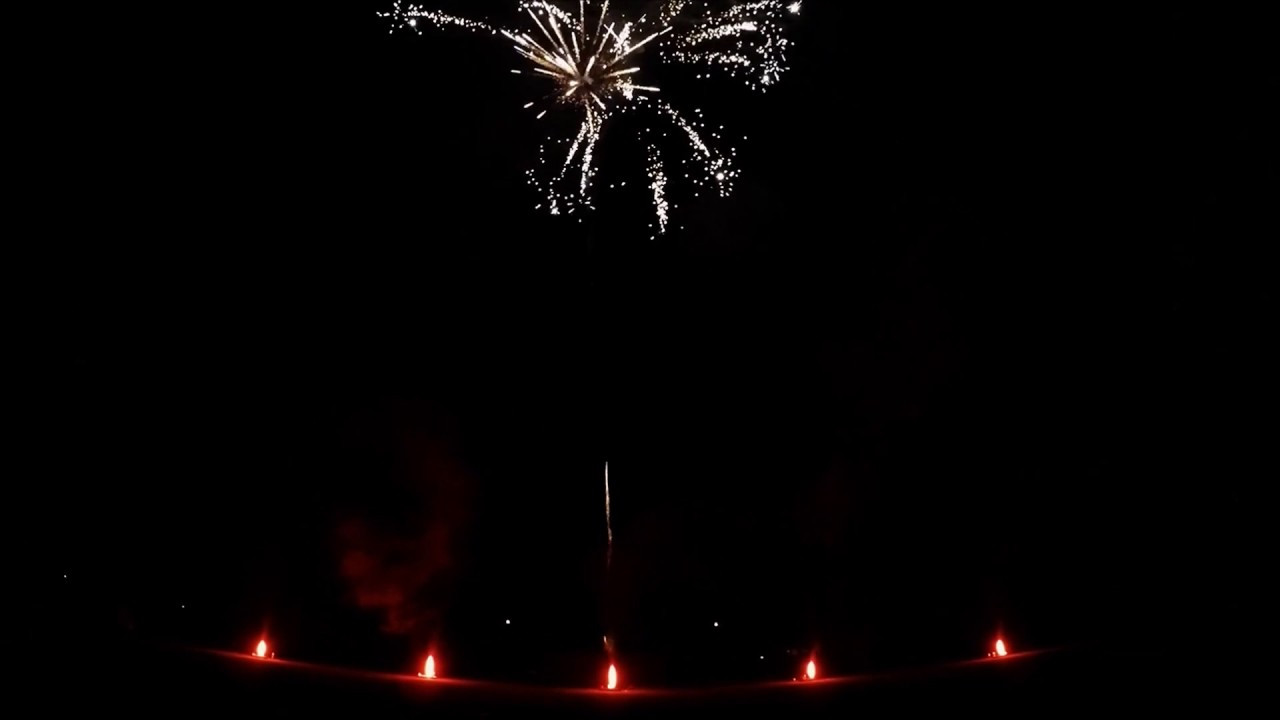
column 595, row 61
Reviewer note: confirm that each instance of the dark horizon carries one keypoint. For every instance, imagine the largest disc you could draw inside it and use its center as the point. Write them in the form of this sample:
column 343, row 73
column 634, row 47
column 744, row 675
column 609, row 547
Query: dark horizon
column 975, row 348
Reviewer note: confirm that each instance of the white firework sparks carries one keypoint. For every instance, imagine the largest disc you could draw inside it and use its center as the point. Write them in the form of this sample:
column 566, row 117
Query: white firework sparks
column 593, row 58
column 746, row 41
column 658, row 185
column 413, row 17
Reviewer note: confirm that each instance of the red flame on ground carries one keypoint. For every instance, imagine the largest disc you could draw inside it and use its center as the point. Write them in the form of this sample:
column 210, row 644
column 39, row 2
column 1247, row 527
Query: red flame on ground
column 1001, row 651
column 613, row 678
column 261, row 650
column 429, row 668
column 811, row 670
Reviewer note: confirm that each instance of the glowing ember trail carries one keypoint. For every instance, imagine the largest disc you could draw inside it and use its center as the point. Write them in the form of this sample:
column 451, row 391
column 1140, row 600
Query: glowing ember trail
column 261, row 650
column 1001, row 651
column 608, row 520
column 811, row 671
column 429, row 668
column 613, row 678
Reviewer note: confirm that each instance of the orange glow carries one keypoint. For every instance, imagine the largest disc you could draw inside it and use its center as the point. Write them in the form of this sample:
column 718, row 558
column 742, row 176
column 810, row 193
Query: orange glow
column 613, row 677
column 429, row 668
column 811, row 670
column 1000, row 648
column 261, row 650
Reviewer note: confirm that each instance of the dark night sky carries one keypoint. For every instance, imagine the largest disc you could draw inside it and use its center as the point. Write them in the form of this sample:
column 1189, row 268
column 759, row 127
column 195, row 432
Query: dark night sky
column 983, row 340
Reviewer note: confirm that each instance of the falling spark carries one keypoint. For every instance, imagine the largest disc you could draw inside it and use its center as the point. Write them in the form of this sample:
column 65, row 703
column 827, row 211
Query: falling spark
column 596, row 62
column 429, row 668
column 1001, row 651
column 612, row 683
column 658, row 184
column 261, row 649
column 811, row 671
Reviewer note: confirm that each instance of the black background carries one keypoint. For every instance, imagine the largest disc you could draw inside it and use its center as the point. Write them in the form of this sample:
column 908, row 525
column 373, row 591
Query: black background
column 981, row 344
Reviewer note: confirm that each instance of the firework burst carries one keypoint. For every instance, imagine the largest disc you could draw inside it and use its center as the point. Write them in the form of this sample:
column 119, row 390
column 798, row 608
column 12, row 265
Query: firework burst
column 594, row 59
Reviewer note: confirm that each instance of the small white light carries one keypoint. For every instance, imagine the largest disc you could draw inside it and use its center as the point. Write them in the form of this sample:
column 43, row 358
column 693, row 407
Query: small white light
column 508, row 621
column 413, row 22
column 715, row 624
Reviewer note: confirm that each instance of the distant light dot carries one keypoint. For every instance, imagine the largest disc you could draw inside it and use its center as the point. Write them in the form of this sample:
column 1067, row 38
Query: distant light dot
column 508, row 621
column 715, row 624
column 761, row 657
column 413, row 22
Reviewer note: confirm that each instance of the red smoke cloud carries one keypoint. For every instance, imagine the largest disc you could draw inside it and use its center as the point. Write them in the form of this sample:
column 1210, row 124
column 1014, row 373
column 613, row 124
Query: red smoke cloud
column 396, row 552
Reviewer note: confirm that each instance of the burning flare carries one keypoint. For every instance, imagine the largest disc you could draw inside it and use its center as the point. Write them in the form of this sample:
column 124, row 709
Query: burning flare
column 261, row 650
column 1001, row 651
column 613, row 678
column 429, row 668
column 811, row 671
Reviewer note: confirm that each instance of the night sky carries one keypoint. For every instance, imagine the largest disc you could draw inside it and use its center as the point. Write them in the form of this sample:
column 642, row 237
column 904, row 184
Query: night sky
column 982, row 343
